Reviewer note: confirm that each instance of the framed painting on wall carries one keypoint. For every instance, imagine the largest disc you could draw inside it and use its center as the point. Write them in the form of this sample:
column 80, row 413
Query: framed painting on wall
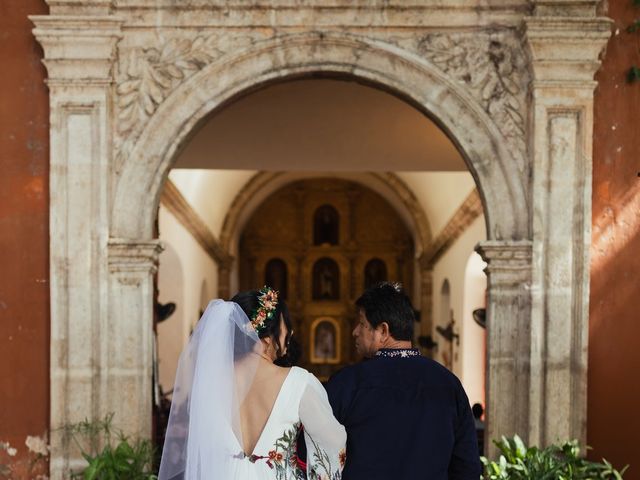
column 325, row 340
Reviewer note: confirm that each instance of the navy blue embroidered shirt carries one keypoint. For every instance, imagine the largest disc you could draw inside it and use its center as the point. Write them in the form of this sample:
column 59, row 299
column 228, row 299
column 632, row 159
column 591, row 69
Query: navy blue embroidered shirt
column 407, row 417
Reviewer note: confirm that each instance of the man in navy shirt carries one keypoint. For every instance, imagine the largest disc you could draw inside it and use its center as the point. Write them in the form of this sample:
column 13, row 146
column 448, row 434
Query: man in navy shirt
column 406, row 416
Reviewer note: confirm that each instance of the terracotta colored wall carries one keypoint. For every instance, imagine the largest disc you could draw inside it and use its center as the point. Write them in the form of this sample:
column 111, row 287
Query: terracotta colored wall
column 24, row 231
column 614, row 349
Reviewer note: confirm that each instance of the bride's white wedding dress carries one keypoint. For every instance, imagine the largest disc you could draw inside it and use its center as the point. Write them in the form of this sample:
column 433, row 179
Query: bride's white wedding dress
column 204, row 437
column 302, row 403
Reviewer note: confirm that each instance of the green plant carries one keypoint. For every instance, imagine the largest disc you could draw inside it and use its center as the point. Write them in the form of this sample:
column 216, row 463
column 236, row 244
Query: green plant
column 556, row 462
column 109, row 453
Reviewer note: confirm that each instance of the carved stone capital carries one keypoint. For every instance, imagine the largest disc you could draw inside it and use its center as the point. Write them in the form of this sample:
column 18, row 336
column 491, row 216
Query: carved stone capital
column 78, row 49
column 131, row 256
column 508, row 262
column 566, row 50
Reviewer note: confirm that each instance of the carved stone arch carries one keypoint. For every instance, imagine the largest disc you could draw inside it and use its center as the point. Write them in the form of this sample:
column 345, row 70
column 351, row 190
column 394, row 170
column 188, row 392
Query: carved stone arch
column 410, row 76
column 108, row 164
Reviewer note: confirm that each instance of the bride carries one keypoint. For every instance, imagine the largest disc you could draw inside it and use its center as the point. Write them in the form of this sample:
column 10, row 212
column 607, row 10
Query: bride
column 235, row 415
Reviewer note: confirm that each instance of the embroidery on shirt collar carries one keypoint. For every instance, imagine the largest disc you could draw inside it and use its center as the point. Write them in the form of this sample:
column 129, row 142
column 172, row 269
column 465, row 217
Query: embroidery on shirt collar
column 398, row 352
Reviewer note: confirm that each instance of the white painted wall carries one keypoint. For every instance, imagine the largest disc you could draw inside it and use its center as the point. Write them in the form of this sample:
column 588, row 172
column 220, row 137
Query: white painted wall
column 303, row 124
column 439, row 193
column 188, row 277
column 210, row 192
column 468, row 359
column 473, row 335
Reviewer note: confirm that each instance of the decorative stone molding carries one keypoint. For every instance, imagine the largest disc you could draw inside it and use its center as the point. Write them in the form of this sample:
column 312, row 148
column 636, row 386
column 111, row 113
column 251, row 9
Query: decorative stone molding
column 180, row 208
column 286, row 14
column 134, row 256
column 491, row 65
column 564, row 53
column 78, row 49
column 80, row 7
column 565, row 8
column 126, row 363
column 462, row 219
column 78, row 53
column 508, row 262
column 149, row 75
column 509, row 376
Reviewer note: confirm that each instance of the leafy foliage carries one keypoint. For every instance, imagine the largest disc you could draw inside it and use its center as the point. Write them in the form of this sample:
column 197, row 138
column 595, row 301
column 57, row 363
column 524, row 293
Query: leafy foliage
column 557, row 462
column 110, row 454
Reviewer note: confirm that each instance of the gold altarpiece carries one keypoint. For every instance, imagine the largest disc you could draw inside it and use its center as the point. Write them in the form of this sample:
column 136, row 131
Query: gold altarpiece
column 321, row 241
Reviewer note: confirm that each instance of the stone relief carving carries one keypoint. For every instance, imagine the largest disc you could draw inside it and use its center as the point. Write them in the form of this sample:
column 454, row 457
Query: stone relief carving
column 494, row 68
column 148, row 75
column 492, row 65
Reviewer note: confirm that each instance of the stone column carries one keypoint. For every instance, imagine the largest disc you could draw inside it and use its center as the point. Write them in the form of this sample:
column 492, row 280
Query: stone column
column 565, row 40
column 127, row 338
column 79, row 53
column 508, row 338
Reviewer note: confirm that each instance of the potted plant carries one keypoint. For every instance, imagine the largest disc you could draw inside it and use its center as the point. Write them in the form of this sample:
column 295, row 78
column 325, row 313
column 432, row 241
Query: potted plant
column 556, row 462
column 110, row 454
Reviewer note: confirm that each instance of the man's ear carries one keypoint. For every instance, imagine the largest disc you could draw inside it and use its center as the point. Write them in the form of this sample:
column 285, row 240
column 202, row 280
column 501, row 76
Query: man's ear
column 384, row 330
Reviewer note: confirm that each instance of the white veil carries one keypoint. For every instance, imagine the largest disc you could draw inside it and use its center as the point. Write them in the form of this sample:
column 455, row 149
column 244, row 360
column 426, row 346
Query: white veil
column 215, row 371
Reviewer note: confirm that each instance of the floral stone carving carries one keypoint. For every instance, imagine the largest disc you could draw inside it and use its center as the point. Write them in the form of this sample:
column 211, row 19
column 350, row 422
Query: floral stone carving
column 494, row 68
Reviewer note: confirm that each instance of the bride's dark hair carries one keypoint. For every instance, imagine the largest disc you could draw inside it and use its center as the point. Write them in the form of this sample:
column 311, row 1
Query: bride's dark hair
column 248, row 301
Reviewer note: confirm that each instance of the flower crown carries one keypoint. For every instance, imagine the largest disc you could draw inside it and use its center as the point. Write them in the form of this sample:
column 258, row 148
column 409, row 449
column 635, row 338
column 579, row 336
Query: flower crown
column 267, row 302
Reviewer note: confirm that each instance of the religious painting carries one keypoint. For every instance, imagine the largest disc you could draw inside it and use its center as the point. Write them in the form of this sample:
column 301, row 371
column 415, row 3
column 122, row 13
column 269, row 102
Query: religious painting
column 275, row 276
column 326, row 280
column 375, row 271
column 326, row 226
column 325, row 341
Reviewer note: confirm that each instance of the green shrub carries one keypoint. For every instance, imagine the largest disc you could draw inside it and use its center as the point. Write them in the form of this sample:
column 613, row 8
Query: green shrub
column 557, row 462
column 110, row 454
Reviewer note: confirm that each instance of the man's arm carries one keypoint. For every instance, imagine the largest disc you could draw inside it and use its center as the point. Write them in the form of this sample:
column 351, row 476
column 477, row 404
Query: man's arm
column 339, row 389
column 465, row 460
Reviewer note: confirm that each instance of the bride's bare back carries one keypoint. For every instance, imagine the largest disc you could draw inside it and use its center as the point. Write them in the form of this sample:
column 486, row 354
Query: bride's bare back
column 259, row 402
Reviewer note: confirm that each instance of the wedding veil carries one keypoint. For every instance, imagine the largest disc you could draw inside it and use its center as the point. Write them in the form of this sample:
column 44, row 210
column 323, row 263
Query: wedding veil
column 215, row 371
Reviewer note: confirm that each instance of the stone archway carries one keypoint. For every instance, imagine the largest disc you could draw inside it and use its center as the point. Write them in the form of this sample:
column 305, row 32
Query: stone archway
column 144, row 165
column 526, row 143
